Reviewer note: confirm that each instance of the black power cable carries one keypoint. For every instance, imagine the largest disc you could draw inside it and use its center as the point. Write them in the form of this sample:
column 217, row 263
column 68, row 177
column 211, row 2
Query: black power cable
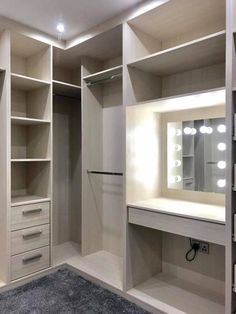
column 193, row 250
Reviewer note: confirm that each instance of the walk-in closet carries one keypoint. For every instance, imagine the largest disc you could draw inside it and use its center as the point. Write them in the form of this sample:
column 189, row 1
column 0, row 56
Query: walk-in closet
column 117, row 156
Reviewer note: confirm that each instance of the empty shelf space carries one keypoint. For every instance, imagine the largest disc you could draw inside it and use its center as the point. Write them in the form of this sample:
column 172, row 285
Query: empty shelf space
column 66, row 89
column 2, row 70
column 94, row 264
column 173, row 295
column 26, row 83
column 27, row 199
column 27, row 121
column 201, row 99
column 104, row 75
column 198, row 53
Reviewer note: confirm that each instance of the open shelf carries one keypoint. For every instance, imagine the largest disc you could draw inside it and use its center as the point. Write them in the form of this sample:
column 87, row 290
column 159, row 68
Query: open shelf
column 30, row 58
column 27, row 121
column 173, row 295
column 30, row 180
column 157, row 30
column 27, row 199
column 198, row 53
column 66, row 89
column 103, row 75
column 30, row 142
column 94, row 264
column 167, row 281
column 26, row 83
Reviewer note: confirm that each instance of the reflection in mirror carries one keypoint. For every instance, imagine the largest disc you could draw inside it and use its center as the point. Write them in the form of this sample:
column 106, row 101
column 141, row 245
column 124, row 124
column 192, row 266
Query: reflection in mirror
column 197, row 155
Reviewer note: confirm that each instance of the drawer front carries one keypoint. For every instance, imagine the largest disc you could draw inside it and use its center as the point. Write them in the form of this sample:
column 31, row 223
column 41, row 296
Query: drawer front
column 29, row 215
column 29, row 239
column 207, row 231
column 30, row 262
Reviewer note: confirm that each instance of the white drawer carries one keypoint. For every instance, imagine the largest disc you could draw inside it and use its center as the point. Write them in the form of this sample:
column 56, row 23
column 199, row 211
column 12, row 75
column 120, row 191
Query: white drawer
column 29, row 215
column 29, row 239
column 193, row 228
column 30, row 262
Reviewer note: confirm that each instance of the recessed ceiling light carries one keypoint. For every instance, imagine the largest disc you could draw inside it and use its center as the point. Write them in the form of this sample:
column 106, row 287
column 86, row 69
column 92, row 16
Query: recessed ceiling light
column 60, row 28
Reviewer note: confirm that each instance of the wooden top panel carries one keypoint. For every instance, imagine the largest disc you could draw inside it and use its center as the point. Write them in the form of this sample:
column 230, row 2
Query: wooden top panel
column 180, row 16
column 105, row 46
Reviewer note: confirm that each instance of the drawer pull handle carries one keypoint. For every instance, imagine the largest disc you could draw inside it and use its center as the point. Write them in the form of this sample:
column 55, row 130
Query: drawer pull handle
column 31, row 211
column 32, row 234
column 31, row 258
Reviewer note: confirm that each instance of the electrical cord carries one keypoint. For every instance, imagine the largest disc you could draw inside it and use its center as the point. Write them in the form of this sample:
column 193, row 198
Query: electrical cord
column 194, row 249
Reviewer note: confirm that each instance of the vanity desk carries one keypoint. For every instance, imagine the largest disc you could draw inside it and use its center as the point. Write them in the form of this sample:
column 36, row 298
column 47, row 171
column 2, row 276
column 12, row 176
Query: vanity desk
column 190, row 219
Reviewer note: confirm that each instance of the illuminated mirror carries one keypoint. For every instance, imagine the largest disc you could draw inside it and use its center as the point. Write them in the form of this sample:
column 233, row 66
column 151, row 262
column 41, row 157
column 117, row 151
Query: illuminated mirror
column 196, row 153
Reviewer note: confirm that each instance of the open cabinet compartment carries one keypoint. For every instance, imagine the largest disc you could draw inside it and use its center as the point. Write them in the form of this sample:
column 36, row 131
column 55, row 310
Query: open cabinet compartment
column 160, row 275
column 30, row 58
column 66, row 69
column 102, row 195
column 148, row 168
column 161, row 28
column 30, row 141
column 66, row 219
column 165, row 60
column 31, row 103
column 30, row 182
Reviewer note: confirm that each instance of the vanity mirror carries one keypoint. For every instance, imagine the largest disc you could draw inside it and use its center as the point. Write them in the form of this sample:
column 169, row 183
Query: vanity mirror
column 196, row 154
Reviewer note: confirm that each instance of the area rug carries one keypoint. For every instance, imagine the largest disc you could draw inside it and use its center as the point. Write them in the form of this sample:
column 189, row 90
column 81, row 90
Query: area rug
column 64, row 292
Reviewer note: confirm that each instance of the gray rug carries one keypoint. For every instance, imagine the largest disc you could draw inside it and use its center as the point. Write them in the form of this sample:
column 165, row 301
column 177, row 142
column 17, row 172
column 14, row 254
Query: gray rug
column 64, row 292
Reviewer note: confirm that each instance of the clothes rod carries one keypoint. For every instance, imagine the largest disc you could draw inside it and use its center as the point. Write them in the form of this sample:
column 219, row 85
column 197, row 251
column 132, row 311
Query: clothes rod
column 113, row 77
column 107, row 173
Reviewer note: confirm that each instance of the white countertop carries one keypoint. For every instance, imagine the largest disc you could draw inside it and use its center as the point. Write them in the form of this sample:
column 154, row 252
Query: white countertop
column 199, row 211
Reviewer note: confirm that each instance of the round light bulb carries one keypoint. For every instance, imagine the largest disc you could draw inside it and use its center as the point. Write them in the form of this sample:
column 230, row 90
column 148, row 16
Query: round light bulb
column 176, row 147
column 203, row 129
column 221, row 164
column 209, row 130
column 193, row 131
column 187, row 130
column 221, row 146
column 177, row 163
column 60, row 28
column 178, row 178
column 221, row 183
column 175, row 179
column 221, row 128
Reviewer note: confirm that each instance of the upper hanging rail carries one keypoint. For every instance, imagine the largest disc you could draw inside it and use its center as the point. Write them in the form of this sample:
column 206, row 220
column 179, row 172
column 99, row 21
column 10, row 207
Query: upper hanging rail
column 107, row 173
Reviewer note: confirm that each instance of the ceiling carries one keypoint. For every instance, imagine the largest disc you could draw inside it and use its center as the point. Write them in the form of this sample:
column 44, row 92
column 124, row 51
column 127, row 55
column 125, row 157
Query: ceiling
column 77, row 15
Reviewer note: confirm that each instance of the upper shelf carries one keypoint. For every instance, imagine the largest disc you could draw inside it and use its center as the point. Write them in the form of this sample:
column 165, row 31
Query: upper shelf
column 26, row 83
column 66, row 89
column 27, row 121
column 198, row 53
column 104, row 75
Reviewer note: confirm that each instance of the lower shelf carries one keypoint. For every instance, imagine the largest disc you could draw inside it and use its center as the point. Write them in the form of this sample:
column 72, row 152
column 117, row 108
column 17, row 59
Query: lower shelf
column 101, row 265
column 27, row 199
column 173, row 295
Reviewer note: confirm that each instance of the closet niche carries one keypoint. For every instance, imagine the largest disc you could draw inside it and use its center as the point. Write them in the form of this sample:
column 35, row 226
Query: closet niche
column 66, row 172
